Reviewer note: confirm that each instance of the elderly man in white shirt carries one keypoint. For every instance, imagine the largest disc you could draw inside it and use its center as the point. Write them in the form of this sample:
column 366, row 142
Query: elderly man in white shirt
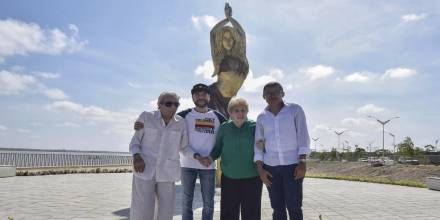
column 155, row 150
column 282, row 144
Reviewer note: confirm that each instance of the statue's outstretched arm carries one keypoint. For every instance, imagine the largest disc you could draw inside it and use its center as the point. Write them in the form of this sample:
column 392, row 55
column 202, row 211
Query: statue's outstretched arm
column 237, row 25
column 217, row 27
column 213, row 32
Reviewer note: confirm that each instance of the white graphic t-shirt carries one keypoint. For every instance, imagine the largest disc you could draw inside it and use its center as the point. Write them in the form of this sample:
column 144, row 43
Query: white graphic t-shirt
column 202, row 130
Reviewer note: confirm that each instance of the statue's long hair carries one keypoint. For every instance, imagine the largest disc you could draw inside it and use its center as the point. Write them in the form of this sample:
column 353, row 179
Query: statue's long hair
column 238, row 50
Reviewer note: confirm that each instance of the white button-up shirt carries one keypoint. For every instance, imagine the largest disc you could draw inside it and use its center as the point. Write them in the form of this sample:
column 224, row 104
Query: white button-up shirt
column 159, row 146
column 285, row 134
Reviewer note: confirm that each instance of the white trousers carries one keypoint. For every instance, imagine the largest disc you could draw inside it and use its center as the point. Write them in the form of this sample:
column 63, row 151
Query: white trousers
column 151, row 200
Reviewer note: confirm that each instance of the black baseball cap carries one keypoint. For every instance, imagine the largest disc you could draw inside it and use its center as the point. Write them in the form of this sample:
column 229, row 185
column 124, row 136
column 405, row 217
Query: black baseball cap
column 199, row 87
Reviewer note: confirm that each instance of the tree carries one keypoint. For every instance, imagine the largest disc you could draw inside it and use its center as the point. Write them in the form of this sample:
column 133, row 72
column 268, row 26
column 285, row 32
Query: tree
column 406, row 148
column 381, row 152
column 359, row 153
column 429, row 148
column 333, row 154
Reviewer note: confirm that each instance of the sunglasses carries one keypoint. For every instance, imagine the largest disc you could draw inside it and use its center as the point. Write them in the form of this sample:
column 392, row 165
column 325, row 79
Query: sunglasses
column 169, row 104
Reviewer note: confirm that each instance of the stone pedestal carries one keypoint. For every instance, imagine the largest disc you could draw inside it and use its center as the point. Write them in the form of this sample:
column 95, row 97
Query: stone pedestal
column 7, row 171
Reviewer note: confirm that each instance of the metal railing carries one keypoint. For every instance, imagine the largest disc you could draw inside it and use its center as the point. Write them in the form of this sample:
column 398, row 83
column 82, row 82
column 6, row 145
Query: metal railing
column 46, row 158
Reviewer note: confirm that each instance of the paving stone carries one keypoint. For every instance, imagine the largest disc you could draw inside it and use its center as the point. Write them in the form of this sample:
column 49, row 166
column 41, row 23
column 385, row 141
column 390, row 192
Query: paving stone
column 108, row 196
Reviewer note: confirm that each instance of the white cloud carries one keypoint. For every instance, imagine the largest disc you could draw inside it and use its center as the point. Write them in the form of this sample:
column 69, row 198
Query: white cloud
column 152, row 105
column 351, row 121
column 37, row 124
column 357, row 77
column 118, row 124
column 12, row 83
column 55, row 94
column 252, row 84
column 413, row 17
column 88, row 112
column 205, row 70
column 369, row 109
column 357, row 122
column 134, row 85
column 185, row 103
column 46, row 75
column 3, row 128
column 21, row 130
column 205, row 20
column 320, row 127
column 319, row 72
column 20, row 38
column 71, row 125
column 399, row 73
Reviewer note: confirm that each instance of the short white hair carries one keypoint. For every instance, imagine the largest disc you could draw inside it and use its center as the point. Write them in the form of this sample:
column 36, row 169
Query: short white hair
column 237, row 101
column 166, row 94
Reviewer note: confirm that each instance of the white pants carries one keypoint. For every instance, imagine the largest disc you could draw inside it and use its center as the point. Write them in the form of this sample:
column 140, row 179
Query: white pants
column 146, row 194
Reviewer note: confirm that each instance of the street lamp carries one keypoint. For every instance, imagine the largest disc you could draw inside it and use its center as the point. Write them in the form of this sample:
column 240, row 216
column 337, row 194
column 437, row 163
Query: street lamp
column 436, row 145
column 315, row 140
column 394, row 141
column 383, row 123
column 339, row 133
column 348, row 147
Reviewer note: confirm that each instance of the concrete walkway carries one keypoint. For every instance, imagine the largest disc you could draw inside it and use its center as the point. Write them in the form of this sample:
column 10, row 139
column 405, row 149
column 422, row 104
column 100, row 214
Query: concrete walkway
column 107, row 196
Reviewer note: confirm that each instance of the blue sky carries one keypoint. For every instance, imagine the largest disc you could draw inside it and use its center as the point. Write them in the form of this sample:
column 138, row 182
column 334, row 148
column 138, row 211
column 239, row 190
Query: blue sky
column 75, row 74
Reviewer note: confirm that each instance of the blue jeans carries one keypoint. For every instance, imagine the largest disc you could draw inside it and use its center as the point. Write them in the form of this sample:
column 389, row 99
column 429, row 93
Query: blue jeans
column 207, row 186
column 285, row 192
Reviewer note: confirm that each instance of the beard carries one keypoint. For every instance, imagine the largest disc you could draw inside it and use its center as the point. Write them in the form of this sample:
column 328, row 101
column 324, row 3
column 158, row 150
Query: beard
column 201, row 103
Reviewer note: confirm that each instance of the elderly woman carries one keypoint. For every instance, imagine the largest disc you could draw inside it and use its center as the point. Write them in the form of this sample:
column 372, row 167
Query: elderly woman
column 240, row 184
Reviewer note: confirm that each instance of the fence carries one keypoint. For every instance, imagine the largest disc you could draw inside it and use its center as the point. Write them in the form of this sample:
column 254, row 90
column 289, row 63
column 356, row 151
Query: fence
column 25, row 158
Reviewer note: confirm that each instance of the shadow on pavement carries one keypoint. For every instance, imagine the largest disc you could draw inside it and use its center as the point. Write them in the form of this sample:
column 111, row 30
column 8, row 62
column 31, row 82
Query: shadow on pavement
column 197, row 203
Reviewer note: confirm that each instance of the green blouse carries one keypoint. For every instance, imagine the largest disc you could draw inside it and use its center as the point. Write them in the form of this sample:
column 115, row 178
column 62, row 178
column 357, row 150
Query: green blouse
column 235, row 146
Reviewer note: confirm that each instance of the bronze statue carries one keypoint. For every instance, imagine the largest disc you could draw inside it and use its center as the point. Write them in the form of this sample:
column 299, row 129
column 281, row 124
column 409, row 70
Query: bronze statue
column 228, row 51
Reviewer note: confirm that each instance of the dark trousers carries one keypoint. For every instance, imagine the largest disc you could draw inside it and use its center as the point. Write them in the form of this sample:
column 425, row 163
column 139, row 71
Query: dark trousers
column 244, row 194
column 285, row 192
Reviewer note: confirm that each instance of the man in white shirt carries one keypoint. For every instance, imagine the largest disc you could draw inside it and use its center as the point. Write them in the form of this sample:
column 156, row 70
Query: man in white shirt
column 155, row 150
column 202, row 126
column 282, row 144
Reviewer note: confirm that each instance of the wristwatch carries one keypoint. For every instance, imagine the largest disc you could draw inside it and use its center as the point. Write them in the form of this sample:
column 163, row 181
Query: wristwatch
column 195, row 155
column 302, row 160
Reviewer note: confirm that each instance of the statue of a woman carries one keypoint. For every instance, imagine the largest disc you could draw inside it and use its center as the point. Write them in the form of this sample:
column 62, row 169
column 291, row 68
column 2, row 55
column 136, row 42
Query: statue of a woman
column 228, row 51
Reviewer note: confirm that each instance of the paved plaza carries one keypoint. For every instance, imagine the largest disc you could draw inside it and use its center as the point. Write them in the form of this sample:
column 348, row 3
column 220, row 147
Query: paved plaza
column 107, row 196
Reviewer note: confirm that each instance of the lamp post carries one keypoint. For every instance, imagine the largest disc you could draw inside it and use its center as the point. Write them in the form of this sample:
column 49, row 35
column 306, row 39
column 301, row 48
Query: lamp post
column 394, row 141
column 436, row 145
column 339, row 133
column 383, row 123
column 348, row 147
column 369, row 149
column 315, row 140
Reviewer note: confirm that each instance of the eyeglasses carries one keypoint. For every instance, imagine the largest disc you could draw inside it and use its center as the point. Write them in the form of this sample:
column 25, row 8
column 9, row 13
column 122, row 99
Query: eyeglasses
column 169, row 104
